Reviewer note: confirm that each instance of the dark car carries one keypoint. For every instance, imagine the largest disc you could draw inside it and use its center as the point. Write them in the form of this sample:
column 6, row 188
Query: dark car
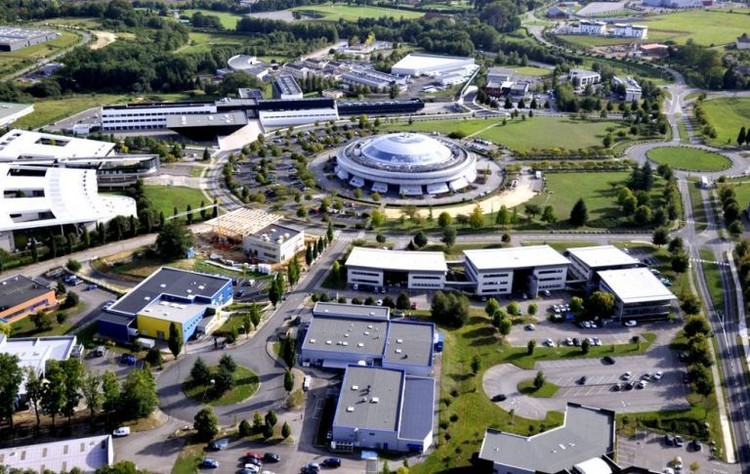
column 581, row 381
column 271, row 457
column 668, row 440
column 500, row 397
column 576, row 342
column 311, row 468
column 696, row 445
column 210, row 463
column 630, row 385
column 616, row 387
column 219, row 444
column 678, row 441
column 608, row 360
column 331, row 462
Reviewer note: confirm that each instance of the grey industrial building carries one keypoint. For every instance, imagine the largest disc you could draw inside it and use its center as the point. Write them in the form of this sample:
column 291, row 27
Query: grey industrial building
column 285, row 87
column 384, row 409
column 14, row 38
column 586, row 436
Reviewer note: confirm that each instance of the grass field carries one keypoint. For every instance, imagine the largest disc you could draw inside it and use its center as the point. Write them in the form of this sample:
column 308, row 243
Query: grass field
column 595, row 189
column 87, row 23
column 727, row 116
column 228, row 20
column 246, row 384
column 547, row 390
column 699, row 210
column 166, row 198
column 689, row 159
column 586, row 41
column 203, row 42
column 532, row 71
column 353, row 13
column 742, row 190
column 522, row 135
column 706, row 27
column 713, row 278
column 11, row 61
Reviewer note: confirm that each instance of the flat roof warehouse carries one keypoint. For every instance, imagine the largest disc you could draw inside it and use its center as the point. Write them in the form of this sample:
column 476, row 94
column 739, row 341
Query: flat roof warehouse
column 397, row 260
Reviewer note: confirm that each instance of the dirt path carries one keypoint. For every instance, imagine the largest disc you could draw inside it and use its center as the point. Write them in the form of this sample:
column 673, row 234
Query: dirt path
column 514, row 197
column 103, row 38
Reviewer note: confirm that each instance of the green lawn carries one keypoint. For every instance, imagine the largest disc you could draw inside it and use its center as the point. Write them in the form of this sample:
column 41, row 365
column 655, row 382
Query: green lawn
column 466, row 411
column 26, row 328
column 353, row 13
column 200, row 42
column 742, row 190
column 11, row 61
column 188, row 460
column 600, row 197
column 246, row 384
column 228, row 20
column 49, row 111
column 727, row 116
column 699, row 210
column 522, row 135
column 689, row 159
column 547, row 390
column 532, row 71
column 706, row 27
column 713, row 279
column 586, row 41
column 166, row 198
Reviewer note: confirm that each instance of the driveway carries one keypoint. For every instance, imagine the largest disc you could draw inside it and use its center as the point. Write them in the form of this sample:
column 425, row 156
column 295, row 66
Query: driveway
column 153, row 451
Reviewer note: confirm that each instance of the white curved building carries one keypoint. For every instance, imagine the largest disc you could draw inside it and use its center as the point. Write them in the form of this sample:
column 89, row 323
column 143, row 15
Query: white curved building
column 241, row 62
column 408, row 163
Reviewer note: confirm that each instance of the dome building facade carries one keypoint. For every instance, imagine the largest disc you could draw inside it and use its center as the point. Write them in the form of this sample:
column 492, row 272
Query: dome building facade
column 410, row 164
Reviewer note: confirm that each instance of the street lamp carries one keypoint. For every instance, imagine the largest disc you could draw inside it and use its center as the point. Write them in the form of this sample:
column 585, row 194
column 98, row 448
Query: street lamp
column 211, row 384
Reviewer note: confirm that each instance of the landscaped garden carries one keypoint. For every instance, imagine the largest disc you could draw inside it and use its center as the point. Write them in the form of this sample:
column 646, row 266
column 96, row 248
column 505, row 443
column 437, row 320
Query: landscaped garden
column 224, row 384
column 727, row 116
column 689, row 159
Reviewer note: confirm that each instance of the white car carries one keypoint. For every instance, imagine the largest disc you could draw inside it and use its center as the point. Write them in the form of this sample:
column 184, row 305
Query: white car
column 568, row 341
column 549, row 343
column 631, row 323
column 306, row 382
column 626, row 375
column 252, row 468
column 642, row 384
column 657, row 375
column 121, row 431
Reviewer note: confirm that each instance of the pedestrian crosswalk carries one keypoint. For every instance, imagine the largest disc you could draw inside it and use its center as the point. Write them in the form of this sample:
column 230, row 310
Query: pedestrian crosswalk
column 700, row 260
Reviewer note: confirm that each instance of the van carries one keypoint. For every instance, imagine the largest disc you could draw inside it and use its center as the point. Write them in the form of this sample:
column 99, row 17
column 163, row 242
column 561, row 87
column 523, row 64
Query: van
column 306, row 382
column 100, row 351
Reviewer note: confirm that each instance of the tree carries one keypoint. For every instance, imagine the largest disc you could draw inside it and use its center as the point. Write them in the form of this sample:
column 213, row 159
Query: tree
column 450, row 308
column 530, row 346
column 34, row 391
column 255, row 315
column 73, row 265
column 175, row 340
column 741, row 137
column 600, row 303
column 420, row 239
column 206, row 424
column 91, row 389
column 206, row 154
column 139, row 393
column 110, row 392
column 11, row 376
column 53, row 394
column 539, row 380
column 696, row 324
column 245, row 429
column 42, row 321
column 576, row 304
column 476, row 219
column 329, row 232
column 548, row 215
column 492, row 307
column 689, row 303
column 271, row 418
column 154, row 357
column 223, row 381
column 476, row 364
column 308, row 255
column 642, row 215
column 71, row 300
column 699, row 350
column 403, row 301
column 585, row 345
column 532, row 309
column 228, row 363
column 286, row 430
column 680, row 262
column 247, row 323
column 174, row 240
column 444, row 220
column 449, row 237
column 532, row 210
column 513, row 309
column 258, row 422
column 503, row 217
column 579, row 215
column 288, row 381
column 504, row 326
column 660, row 237
column 676, row 245
column 200, row 374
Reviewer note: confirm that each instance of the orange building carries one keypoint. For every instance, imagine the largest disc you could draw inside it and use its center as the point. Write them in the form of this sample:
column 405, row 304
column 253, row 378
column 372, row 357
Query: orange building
column 21, row 296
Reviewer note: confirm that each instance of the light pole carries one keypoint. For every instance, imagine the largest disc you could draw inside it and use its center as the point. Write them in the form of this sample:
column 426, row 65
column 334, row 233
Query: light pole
column 211, row 384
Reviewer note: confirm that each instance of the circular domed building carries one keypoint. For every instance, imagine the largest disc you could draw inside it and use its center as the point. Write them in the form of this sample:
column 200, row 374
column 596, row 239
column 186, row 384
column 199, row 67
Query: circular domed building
column 408, row 163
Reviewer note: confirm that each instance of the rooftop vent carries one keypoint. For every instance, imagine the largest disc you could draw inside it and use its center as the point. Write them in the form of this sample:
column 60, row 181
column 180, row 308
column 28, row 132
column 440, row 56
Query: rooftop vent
column 312, row 341
column 398, row 351
column 399, row 341
column 360, row 345
column 355, row 387
column 344, row 343
column 375, row 400
column 369, row 326
column 329, row 342
column 163, row 285
column 349, row 409
column 367, row 333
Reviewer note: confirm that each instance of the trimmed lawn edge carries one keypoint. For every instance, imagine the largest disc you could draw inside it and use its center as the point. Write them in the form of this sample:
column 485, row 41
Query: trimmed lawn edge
column 547, row 390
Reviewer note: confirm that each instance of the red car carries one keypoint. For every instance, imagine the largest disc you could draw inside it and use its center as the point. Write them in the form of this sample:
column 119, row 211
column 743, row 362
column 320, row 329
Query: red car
column 251, row 455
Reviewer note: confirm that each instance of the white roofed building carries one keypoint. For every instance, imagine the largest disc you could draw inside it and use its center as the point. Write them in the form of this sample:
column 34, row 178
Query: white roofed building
column 35, row 352
column 33, row 197
column 10, row 112
column 414, row 270
column 638, row 293
column 17, row 144
column 585, row 262
column 627, row 30
column 430, row 65
column 516, row 269
column 86, row 454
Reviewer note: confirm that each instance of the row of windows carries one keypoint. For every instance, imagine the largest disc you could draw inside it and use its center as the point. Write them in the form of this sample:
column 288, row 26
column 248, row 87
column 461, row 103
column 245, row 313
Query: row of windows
column 424, row 277
column 360, row 272
column 427, row 285
column 497, row 275
column 552, row 278
column 547, row 272
column 159, row 113
column 162, row 119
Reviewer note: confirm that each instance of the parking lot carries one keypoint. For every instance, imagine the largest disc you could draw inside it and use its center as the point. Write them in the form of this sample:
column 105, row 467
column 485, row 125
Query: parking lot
column 647, row 449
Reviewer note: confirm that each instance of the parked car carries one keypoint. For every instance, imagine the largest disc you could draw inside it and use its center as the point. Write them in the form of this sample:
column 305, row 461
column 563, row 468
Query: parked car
column 530, row 327
column 696, row 445
column 311, row 468
column 332, row 462
column 568, row 341
column 254, row 462
column 576, row 342
column 678, row 441
column 617, row 387
column 210, row 463
column 219, row 444
column 668, row 440
column 581, row 381
column 252, row 468
column 608, row 360
column 626, row 375
column 500, row 397
column 631, row 323
column 549, row 342
column 121, row 431
column 630, row 385
column 253, row 455
column 271, row 457
column 657, row 375
column 642, row 384
column 306, row 382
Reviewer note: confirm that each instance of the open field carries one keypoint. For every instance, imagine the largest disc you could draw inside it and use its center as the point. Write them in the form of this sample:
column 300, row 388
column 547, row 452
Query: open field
column 532, row 71
column 86, row 23
column 353, row 13
column 11, row 61
column 202, row 42
column 727, row 116
column 742, row 190
column 586, row 41
column 166, row 198
column 228, row 20
column 564, row 189
column 706, row 27
column 689, row 159
column 522, row 135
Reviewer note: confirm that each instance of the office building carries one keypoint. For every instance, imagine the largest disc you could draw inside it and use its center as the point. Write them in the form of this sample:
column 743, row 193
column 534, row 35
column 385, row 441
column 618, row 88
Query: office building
column 585, row 262
column 36, row 352
column 14, row 38
column 86, row 454
column 430, row 65
column 628, row 88
column 375, row 268
column 285, row 87
column 639, row 294
column 21, row 297
column 584, row 77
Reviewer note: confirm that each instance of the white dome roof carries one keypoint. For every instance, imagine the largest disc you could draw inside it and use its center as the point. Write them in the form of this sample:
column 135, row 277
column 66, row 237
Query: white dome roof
column 407, row 148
